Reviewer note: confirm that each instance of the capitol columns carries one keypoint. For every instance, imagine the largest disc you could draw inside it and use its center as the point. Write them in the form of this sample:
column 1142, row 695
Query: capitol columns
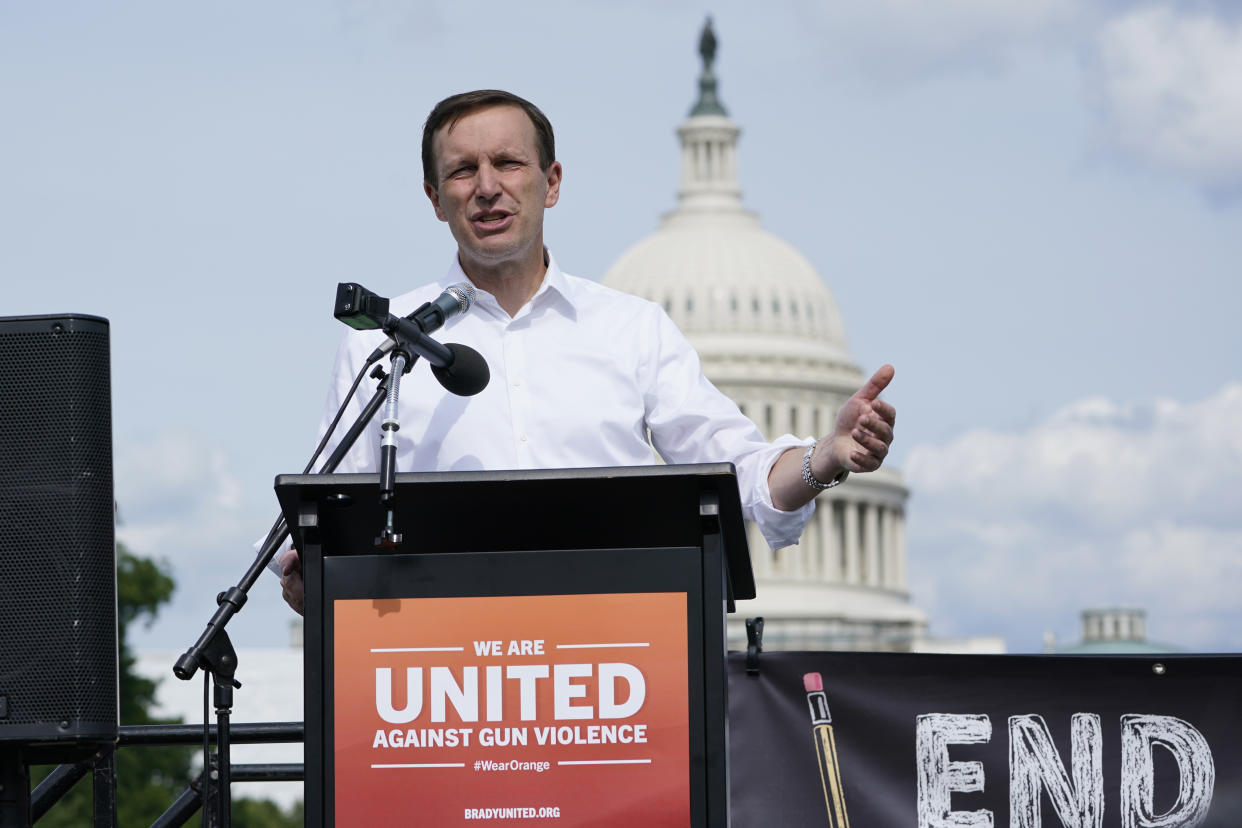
column 853, row 557
column 871, row 543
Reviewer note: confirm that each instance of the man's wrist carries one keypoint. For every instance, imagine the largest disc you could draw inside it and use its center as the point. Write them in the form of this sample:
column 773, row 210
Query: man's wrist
column 808, row 475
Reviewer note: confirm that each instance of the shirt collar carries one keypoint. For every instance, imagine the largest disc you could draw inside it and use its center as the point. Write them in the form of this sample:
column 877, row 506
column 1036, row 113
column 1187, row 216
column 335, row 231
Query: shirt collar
column 559, row 287
column 555, row 290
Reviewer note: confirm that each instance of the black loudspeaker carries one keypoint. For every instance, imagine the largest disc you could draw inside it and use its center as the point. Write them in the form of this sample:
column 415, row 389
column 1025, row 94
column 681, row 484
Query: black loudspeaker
column 58, row 622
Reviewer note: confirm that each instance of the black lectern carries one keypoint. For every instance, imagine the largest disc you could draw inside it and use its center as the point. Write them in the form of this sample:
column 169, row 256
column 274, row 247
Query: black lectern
column 542, row 645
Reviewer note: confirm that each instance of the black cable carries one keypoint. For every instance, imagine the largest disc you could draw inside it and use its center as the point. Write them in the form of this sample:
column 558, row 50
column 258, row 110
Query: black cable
column 279, row 525
column 206, row 752
column 339, row 413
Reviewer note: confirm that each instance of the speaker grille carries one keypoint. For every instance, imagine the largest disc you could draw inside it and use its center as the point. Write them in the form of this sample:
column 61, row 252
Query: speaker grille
column 58, row 663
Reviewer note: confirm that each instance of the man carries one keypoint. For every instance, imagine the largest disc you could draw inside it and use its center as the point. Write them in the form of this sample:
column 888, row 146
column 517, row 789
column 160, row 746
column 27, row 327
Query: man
column 581, row 375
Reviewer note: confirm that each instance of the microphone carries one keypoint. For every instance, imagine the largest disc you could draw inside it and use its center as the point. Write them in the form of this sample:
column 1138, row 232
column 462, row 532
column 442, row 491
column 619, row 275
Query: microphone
column 430, row 316
column 455, row 299
column 460, row 369
column 466, row 374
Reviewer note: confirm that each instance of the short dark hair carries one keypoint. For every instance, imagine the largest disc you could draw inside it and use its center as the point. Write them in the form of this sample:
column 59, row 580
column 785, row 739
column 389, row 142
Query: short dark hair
column 453, row 108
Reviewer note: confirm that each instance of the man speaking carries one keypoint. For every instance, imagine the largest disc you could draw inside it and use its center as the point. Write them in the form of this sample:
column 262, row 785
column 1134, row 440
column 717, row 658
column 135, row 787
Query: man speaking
column 582, row 375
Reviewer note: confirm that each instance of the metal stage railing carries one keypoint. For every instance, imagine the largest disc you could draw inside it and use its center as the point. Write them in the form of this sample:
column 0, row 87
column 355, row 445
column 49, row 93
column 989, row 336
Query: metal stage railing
column 102, row 767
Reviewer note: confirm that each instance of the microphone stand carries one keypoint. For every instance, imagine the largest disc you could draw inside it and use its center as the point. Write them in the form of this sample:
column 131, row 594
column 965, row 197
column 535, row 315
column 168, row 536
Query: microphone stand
column 411, row 343
column 213, row 651
column 389, row 537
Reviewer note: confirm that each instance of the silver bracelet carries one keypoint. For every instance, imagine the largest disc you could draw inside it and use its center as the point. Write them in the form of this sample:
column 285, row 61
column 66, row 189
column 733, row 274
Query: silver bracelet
column 810, row 479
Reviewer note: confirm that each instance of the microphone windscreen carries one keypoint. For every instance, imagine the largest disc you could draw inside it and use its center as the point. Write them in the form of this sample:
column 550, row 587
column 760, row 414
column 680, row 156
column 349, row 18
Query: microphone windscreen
column 468, row 373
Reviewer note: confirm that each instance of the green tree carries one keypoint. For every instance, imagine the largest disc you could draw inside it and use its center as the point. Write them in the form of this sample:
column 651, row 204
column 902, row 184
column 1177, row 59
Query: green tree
column 263, row 813
column 149, row 779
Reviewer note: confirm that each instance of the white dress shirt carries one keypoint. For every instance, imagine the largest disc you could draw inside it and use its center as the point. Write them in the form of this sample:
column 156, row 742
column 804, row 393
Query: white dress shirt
column 579, row 377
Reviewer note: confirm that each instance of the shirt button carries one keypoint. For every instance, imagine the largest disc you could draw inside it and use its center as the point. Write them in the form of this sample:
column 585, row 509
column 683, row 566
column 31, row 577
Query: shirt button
column 523, row 438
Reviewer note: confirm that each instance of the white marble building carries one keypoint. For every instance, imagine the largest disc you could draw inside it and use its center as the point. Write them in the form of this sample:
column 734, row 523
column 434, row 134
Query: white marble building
column 771, row 337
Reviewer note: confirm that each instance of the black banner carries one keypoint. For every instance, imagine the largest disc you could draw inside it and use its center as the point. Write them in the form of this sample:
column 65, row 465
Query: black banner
column 873, row 740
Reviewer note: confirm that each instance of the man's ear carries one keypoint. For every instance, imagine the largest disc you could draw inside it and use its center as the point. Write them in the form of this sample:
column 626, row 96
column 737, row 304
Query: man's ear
column 554, row 174
column 435, row 201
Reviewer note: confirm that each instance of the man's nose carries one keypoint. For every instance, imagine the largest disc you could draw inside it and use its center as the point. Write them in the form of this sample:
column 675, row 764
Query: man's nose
column 487, row 182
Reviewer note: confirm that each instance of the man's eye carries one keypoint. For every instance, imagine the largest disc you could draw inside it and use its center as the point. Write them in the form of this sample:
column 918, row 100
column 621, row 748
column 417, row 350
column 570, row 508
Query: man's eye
column 461, row 172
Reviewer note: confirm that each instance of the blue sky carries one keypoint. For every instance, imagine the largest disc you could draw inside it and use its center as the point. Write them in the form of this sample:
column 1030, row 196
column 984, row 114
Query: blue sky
column 1032, row 208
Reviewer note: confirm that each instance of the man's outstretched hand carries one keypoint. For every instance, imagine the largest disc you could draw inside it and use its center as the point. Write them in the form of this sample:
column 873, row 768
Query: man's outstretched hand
column 858, row 443
column 864, row 431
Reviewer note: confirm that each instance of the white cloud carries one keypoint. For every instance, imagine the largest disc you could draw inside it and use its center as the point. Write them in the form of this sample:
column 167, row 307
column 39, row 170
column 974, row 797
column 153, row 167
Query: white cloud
column 1099, row 504
column 1169, row 82
column 176, row 492
column 181, row 501
column 1163, row 76
column 1100, row 462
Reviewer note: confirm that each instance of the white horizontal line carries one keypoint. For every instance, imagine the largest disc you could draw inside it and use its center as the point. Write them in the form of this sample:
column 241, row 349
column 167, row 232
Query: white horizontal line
column 446, row 765
column 592, row 646
column 417, row 649
column 606, row 762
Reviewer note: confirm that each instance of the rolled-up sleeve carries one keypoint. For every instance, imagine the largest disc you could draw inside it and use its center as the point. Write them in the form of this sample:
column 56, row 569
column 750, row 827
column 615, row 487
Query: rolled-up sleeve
column 691, row 421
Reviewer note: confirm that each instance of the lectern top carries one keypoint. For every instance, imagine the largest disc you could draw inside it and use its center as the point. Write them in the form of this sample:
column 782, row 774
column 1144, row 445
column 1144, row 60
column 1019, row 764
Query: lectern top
column 521, row 510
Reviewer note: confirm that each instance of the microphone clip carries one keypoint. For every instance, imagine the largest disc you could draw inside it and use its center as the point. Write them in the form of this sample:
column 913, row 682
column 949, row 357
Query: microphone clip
column 411, row 340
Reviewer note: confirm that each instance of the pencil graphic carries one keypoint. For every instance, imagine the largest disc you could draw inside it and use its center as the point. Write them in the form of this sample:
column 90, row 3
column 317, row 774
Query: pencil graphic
column 826, row 750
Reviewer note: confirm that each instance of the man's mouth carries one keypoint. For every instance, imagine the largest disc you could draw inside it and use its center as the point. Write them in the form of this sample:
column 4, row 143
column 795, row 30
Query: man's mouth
column 491, row 218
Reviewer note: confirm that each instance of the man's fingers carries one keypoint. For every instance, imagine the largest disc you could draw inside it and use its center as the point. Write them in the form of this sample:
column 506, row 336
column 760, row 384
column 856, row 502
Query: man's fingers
column 865, row 462
column 293, row 590
column 875, row 427
column 877, row 447
column 878, row 382
column 290, row 562
column 872, row 454
column 871, row 422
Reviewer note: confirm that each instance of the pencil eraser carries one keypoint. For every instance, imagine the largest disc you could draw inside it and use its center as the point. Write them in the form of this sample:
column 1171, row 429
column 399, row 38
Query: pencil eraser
column 813, row 682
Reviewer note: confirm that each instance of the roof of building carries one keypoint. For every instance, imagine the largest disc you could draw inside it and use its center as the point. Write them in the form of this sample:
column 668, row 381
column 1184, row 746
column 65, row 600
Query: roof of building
column 716, row 269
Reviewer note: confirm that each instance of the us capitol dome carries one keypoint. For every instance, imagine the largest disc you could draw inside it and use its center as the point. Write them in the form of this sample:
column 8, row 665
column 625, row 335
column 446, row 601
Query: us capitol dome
column 770, row 336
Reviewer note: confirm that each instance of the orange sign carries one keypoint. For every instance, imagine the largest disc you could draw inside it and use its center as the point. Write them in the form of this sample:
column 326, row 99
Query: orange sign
column 546, row 709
